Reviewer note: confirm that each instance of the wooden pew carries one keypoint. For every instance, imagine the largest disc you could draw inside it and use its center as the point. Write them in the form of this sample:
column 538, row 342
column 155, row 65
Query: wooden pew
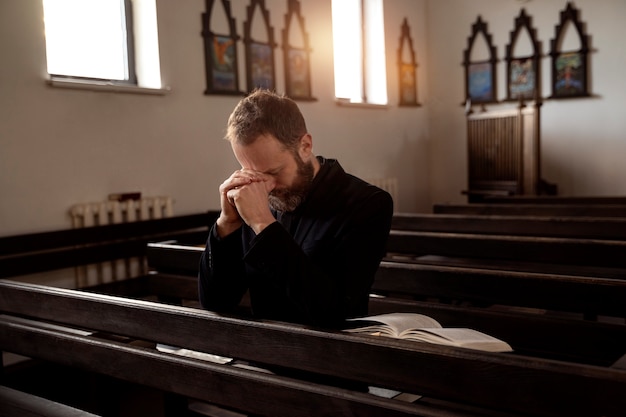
column 585, row 210
column 609, row 228
column 507, row 383
column 549, row 336
column 489, row 286
column 175, row 269
column 37, row 252
column 566, row 293
column 553, row 199
column 575, row 256
column 205, row 232
column 231, row 387
column 570, row 256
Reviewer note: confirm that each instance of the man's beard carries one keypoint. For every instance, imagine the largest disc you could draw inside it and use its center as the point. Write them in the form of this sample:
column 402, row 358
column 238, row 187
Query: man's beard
column 289, row 199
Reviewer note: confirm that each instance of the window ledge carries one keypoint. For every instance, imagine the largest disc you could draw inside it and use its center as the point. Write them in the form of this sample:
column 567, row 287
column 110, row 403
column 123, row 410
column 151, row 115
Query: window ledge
column 109, row 86
column 347, row 103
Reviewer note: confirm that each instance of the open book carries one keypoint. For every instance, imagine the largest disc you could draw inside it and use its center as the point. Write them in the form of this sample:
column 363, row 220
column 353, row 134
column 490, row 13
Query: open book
column 412, row 326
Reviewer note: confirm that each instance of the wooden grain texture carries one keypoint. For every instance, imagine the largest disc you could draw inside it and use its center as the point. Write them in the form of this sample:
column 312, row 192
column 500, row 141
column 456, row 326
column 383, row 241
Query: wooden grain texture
column 584, row 210
column 507, row 382
column 541, row 226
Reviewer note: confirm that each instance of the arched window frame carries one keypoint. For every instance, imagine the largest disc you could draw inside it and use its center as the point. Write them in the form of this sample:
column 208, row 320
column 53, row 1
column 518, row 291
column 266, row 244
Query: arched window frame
column 480, row 74
column 260, row 64
column 297, row 60
column 576, row 82
column 527, row 66
column 407, row 70
column 221, row 78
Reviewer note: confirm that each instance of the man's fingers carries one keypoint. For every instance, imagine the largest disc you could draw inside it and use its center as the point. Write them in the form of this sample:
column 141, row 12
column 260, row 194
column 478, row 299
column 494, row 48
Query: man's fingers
column 230, row 195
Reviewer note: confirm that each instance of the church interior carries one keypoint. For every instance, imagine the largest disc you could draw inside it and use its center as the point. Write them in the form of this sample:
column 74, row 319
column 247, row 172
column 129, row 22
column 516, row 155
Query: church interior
column 498, row 136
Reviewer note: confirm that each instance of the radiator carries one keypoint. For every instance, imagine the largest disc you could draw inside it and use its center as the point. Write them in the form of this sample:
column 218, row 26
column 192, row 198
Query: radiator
column 389, row 184
column 112, row 212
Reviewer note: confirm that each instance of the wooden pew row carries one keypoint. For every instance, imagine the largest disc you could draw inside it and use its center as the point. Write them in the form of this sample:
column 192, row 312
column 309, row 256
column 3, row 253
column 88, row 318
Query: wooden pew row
column 175, row 280
column 551, row 199
column 494, row 381
column 487, row 286
column 609, row 228
column 37, row 252
column 566, row 293
column 24, row 254
column 31, row 253
column 564, row 256
column 570, row 256
column 316, row 399
column 231, row 387
column 533, row 334
column 585, row 210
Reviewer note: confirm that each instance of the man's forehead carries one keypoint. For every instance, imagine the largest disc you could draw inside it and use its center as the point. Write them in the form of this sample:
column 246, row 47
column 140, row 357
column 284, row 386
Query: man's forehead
column 266, row 154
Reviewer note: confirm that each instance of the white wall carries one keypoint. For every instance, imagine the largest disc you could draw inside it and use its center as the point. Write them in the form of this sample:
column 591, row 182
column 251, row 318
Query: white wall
column 59, row 146
column 583, row 143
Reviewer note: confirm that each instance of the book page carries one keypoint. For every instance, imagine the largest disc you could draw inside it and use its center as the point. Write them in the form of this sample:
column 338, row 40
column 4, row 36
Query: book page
column 461, row 337
column 397, row 322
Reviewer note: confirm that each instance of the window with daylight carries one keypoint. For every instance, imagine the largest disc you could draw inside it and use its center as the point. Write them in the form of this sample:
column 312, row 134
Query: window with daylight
column 102, row 42
column 359, row 51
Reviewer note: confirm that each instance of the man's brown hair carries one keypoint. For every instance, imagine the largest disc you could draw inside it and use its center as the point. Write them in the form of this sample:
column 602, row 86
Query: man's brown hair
column 265, row 112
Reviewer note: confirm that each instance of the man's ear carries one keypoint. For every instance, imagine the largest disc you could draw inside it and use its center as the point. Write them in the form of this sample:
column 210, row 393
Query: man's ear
column 306, row 147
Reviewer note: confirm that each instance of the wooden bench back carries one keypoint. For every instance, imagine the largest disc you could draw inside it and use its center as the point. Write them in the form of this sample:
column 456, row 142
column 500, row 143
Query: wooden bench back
column 552, row 199
column 37, row 252
column 496, row 381
column 560, row 210
column 240, row 389
column 576, row 340
column 402, row 283
column 564, row 251
column 541, row 226
column 14, row 403
column 567, row 293
column 489, row 286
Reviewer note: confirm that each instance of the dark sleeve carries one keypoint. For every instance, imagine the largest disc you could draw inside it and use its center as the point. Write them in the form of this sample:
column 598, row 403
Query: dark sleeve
column 329, row 278
column 222, row 279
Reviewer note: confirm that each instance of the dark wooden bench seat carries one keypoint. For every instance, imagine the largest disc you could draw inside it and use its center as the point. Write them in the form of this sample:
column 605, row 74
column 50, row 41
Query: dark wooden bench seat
column 46, row 251
column 500, row 382
column 554, row 199
column 509, row 265
column 534, row 334
column 32, row 253
column 609, row 228
column 14, row 403
column 560, row 210
column 175, row 271
column 491, row 286
column 567, row 293
column 231, row 387
column 563, row 256
column 572, row 252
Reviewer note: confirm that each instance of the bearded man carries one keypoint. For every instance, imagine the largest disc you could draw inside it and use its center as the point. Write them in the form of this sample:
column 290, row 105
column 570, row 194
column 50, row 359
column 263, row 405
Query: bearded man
column 297, row 233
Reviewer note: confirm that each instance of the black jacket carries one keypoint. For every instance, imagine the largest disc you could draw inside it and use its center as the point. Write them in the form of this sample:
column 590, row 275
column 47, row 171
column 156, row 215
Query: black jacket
column 315, row 265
